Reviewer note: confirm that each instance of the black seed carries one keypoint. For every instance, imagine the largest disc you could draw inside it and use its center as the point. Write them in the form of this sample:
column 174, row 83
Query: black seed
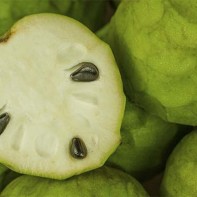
column 78, row 148
column 87, row 72
column 4, row 120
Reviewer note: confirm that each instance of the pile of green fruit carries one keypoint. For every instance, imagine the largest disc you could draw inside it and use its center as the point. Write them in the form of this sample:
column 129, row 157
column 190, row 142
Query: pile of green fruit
column 98, row 98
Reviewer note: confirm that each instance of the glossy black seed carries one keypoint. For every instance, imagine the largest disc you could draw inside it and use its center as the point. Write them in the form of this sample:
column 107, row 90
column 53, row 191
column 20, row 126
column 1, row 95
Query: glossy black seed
column 78, row 148
column 4, row 120
column 85, row 73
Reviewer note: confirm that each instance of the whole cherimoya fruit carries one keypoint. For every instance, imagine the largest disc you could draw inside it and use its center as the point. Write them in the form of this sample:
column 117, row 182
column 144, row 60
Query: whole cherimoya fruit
column 87, row 12
column 180, row 174
column 155, row 42
column 101, row 182
column 62, row 101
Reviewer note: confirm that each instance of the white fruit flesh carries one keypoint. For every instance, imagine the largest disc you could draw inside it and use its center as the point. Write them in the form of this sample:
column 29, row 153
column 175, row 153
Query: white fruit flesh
column 47, row 107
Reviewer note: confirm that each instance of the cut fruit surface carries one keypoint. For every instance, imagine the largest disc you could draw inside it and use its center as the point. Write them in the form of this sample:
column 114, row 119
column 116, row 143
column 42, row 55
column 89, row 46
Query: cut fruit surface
column 62, row 101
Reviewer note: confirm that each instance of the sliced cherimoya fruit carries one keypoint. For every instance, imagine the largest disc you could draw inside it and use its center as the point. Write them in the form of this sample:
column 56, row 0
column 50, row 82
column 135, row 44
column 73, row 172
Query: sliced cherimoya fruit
column 62, row 101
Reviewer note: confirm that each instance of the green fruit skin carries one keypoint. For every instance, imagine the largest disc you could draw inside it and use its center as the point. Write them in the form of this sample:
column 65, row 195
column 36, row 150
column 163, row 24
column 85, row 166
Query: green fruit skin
column 87, row 12
column 155, row 44
column 102, row 182
column 147, row 141
column 115, row 3
column 180, row 176
column 3, row 171
column 90, row 13
column 8, row 177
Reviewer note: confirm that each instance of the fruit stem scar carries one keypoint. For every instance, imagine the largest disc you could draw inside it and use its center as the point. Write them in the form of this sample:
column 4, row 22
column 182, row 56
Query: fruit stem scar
column 5, row 37
column 78, row 148
column 4, row 120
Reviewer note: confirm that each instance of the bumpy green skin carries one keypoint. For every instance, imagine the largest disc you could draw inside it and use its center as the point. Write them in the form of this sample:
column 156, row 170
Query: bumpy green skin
column 180, row 177
column 102, row 182
column 90, row 13
column 155, row 44
column 146, row 142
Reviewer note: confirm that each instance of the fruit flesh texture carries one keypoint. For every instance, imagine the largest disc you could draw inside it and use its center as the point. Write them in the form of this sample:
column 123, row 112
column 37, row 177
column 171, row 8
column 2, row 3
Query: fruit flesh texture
column 101, row 182
column 54, row 109
column 180, row 175
column 154, row 43
column 146, row 143
column 87, row 12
